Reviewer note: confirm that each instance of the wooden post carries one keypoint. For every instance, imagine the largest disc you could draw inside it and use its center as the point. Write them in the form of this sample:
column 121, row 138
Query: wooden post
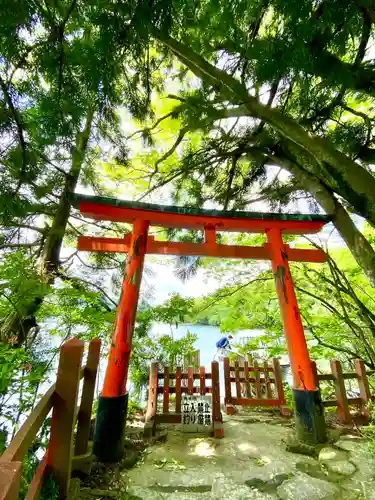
column 267, row 380
column 277, row 375
column 178, row 389
column 166, row 390
column 63, row 415
column 190, row 379
column 217, row 420
column 85, row 410
column 152, row 392
column 247, row 383
column 10, row 476
column 202, row 380
column 342, row 400
column 152, row 403
column 241, row 364
column 250, row 360
column 257, row 380
column 363, row 384
column 227, row 385
column 237, row 379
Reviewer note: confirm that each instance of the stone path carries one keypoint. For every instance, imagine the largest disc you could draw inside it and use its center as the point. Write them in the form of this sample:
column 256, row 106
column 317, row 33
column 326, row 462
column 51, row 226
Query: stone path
column 251, row 462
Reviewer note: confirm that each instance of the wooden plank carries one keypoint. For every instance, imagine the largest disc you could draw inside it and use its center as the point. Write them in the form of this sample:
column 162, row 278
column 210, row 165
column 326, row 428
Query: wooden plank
column 227, row 386
column 185, row 390
column 252, row 379
column 342, row 401
column 166, row 390
column 258, row 391
column 278, row 381
column 351, row 401
column 349, row 375
column 325, row 376
column 255, row 402
column 250, row 366
column 152, row 392
column 237, row 379
column 196, row 390
column 202, row 380
column 36, row 484
column 267, row 381
column 190, row 379
column 10, row 476
column 65, row 401
column 246, row 380
column 178, row 389
column 18, row 447
column 168, row 418
column 196, row 376
column 329, row 402
column 88, row 390
column 354, row 401
column 363, row 384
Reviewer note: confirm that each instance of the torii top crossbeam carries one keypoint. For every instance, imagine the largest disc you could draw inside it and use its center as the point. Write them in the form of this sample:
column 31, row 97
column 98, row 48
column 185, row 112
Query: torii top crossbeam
column 101, row 208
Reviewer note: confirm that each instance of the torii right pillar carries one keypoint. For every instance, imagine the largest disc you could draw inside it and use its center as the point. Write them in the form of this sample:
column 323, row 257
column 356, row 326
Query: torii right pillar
column 309, row 413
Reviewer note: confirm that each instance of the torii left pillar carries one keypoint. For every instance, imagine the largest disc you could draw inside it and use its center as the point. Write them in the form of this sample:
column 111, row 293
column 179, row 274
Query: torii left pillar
column 113, row 401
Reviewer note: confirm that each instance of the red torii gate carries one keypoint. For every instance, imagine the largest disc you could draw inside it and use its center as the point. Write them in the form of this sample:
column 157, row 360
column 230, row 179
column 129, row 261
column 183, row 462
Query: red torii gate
column 112, row 405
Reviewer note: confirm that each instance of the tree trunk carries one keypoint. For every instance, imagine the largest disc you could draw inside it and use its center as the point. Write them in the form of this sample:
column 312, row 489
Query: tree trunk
column 18, row 323
column 51, row 252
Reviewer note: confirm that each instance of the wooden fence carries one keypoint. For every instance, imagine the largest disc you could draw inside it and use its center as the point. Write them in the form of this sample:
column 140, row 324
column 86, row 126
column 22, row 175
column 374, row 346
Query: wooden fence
column 173, row 383
column 337, row 377
column 60, row 458
column 254, row 385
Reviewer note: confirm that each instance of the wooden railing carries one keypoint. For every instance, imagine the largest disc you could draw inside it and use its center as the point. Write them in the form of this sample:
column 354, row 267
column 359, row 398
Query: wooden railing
column 254, row 384
column 166, row 383
column 342, row 401
column 60, row 458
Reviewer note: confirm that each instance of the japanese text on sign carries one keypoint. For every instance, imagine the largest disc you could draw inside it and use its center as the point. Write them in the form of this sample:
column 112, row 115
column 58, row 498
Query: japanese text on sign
column 196, row 410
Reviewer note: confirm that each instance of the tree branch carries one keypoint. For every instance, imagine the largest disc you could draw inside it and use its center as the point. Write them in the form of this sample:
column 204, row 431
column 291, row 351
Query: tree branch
column 179, row 139
column 20, row 245
column 335, row 347
column 229, row 294
column 98, row 287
